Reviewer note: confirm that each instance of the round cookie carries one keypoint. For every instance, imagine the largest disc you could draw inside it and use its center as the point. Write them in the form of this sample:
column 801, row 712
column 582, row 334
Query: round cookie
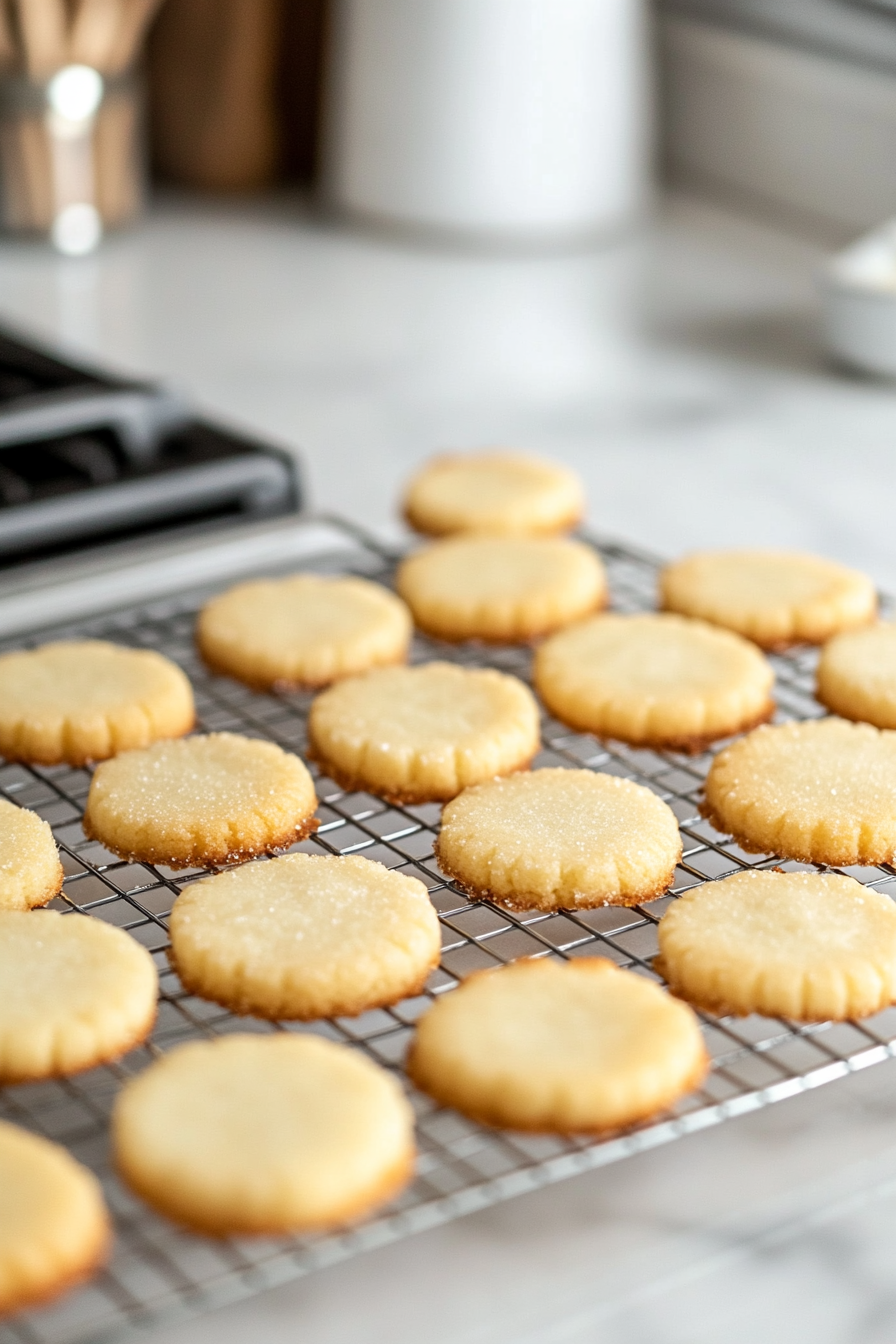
column 581, row 1047
column 856, row 675
column 560, row 839
column 76, row 992
column 503, row 589
column 203, row 802
column 415, row 734
column 305, row 936
column 54, row 1228
column 823, row 791
column 88, row 700
column 30, row 871
column 327, row 1138
column 808, row 946
column 503, row 493
column 775, row 598
column 654, row 680
column 306, row 630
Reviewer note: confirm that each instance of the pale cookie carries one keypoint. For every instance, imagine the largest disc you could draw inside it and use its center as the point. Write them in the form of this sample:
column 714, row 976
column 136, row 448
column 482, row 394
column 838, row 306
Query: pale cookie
column 306, row 630
column 203, row 802
column 504, row 493
column 88, row 700
column 581, row 1047
column 556, row 839
column 54, row 1228
column 654, row 680
column 414, row 734
column 775, row 598
column 856, row 675
column 305, row 936
column 30, row 871
column 76, row 992
column 821, row 792
column 809, row 946
column 503, row 589
column 264, row 1134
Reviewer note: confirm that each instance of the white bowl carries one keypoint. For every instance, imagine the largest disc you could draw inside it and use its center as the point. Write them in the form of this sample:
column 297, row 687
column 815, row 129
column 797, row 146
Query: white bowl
column 858, row 288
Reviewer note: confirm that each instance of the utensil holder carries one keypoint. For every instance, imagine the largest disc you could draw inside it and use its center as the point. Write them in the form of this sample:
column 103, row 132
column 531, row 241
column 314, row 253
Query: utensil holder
column 71, row 155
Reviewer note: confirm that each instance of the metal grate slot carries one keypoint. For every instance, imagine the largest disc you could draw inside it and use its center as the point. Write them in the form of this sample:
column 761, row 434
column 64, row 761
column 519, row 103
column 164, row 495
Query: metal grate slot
column 158, row 1273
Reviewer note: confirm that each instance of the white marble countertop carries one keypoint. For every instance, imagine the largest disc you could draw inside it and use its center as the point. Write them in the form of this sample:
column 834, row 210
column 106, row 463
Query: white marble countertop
column 679, row 371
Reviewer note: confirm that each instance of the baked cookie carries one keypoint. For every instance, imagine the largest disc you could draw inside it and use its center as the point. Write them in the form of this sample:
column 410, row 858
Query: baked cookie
column 30, row 871
column 203, row 802
column 264, row 1134
column 87, row 700
column 821, row 792
column 76, row 992
column 809, row 946
column 504, row 493
column 305, row 936
column 856, row 675
column 654, row 680
column 581, row 1047
column 54, row 1229
column 556, row 839
column 415, row 734
column 775, row 598
column 307, row 630
column 503, row 589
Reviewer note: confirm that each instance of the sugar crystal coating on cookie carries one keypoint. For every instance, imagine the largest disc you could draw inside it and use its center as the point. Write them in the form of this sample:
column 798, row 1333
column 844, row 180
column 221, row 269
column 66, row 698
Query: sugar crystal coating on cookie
column 30, row 871
column 79, row 701
column 76, row 992
column 204, row 801
column 560, row 838
column 576, row 1047
column 856, row 675
column 503, row 493
column 305, row 630
column 264, row 1134
column 305, row 936
column 501, row 588
column 808, row 946
column 823, row 791
column 54, row 1228
column 655, row 680
column 775, row 598
column 423, row 733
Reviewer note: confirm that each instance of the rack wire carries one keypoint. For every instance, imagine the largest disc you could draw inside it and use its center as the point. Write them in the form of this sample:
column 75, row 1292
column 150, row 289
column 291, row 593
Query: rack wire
column 159, row 1273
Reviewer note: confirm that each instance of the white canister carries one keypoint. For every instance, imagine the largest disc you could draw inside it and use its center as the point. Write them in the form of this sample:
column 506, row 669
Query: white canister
column 523, row 119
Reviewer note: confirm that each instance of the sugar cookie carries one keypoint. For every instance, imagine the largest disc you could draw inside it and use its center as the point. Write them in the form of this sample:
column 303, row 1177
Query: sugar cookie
column 654, row 680
column 264, row 1134
column 30, row 871
column 580, row 1047
column 856, row 675
column 202, row 802
column 775, row 598
column 809, row 946
column 88, row 700
column 558, row 839
column 821, row 792
column 305, row 936
column 54, row 1229
column 421, row 733
column 306, row 630
column 504, row 589
column 511, row 494
column 76, row 992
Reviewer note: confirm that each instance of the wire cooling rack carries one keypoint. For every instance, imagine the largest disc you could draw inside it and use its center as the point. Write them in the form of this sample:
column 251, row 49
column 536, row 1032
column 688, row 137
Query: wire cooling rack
column 158, row 1273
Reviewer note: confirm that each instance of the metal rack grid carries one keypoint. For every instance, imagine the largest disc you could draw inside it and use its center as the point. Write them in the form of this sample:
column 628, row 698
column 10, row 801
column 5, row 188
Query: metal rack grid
column 158, row 1273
